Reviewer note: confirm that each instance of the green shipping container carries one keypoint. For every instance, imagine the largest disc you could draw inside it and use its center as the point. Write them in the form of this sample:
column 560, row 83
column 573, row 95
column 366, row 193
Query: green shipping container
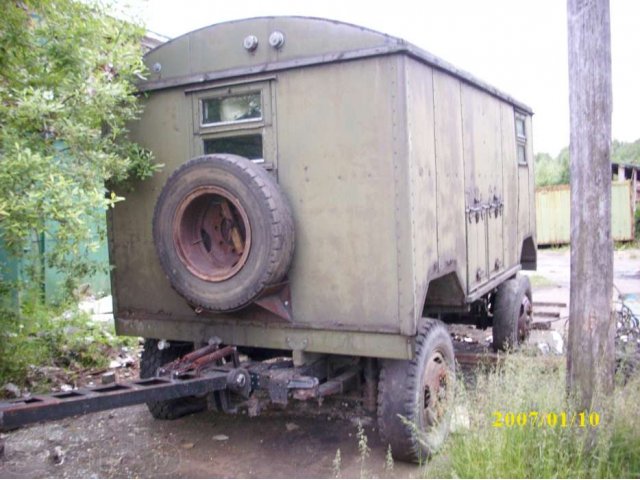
column 553, row 207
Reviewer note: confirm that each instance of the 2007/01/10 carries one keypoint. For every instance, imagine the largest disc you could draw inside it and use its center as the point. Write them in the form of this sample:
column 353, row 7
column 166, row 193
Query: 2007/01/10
column 537, row 419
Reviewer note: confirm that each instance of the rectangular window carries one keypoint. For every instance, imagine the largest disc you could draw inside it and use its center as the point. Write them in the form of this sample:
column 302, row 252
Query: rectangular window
column 520, row 128
column 235, row 117
column 232, row 108
column 248, row 146
column 521, row 139
column 522, row 154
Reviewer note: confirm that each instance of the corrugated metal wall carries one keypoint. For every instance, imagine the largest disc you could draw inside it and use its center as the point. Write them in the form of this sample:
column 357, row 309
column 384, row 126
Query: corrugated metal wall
column 553, row 208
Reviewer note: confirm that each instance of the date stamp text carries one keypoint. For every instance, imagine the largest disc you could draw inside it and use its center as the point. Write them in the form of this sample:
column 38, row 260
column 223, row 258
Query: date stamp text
column 545, row 419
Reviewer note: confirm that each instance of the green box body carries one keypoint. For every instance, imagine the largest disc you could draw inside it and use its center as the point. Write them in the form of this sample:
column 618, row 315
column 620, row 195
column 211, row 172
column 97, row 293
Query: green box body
column 411, row 183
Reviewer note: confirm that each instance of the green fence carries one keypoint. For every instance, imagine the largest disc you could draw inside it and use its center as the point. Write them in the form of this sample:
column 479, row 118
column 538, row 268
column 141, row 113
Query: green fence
column 12, row 271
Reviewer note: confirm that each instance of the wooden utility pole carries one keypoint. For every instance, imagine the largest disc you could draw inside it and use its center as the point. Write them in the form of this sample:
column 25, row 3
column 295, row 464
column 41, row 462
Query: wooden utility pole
column 590, row 356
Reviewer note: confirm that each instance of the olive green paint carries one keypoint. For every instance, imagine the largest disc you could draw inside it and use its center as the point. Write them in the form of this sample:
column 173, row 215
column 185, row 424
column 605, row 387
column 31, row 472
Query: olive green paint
column 378, row 146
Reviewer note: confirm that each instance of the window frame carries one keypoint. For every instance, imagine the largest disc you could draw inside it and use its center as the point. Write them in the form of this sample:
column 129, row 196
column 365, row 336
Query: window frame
column 252, row 126
column 521, row 140
column 223, row 95
column 239, row 133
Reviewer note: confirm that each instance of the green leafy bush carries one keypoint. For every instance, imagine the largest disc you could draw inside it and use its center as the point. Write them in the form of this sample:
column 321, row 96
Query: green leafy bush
column 552, row 171
column 67, row 91
column 45, row 337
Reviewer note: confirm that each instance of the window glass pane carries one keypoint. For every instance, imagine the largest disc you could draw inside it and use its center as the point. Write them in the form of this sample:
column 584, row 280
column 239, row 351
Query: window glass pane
column 520, row 128
column 522, row 154
column 231, row 109
column 248, row 146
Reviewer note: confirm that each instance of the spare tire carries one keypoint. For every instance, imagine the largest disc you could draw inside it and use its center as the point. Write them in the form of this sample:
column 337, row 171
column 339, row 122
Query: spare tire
column 223, row 231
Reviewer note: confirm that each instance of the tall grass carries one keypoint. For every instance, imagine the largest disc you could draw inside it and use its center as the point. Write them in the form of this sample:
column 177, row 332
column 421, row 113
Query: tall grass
column 525, row 384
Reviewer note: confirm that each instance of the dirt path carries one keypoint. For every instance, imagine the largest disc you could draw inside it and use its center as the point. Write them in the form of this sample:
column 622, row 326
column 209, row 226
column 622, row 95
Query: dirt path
column 129, row 443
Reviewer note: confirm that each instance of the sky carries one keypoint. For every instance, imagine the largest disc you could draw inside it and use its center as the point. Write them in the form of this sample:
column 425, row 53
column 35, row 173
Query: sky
column 518, row 46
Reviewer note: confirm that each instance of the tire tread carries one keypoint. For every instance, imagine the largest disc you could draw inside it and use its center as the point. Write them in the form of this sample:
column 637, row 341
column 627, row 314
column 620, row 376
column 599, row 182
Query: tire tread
column 281, row 227
column 152, row 359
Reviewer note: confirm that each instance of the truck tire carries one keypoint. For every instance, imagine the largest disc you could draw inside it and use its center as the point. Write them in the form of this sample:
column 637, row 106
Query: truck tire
column 152, row 359
column 223, row 231
column 512, row 307
column 415, row 397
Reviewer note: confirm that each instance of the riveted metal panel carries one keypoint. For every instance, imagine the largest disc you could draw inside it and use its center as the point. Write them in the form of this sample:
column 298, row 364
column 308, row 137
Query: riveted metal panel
column 526, row 189
column 476, row 130
column 422, row 177
column 512, row 242
column 165, row 129
column 218, row 51
column 269, row 335
column 220, row 47
column 531, row 187
column 450, row 176
column 492, row 166
column 408, row 311
column 336, row 164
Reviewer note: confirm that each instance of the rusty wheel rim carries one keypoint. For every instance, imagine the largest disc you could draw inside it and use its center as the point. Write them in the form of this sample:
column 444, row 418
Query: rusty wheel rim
column 436, row 389
column 212, row 234
column 524, row 319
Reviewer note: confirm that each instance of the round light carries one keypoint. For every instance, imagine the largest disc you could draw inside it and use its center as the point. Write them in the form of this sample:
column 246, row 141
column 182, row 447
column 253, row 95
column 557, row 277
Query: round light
column 250, row 42
column 276, row 39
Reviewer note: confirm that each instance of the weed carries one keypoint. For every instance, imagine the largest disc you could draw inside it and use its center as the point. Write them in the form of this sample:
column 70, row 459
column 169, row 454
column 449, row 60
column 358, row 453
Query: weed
column 46, row 336
column 337, row 465
column 522, row 385
column 363, row 448
column 540, row 281
column 388, row 461
column 621, row 246
column 559, row 248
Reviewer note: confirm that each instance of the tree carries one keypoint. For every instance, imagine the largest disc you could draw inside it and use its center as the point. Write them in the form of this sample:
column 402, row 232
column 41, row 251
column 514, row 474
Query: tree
column 67, row 73
column 624, row 152
column 590, row 355
column 552, row 171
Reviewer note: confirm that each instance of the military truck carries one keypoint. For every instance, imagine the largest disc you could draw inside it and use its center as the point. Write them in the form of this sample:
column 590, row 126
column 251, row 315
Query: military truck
column 331, row 198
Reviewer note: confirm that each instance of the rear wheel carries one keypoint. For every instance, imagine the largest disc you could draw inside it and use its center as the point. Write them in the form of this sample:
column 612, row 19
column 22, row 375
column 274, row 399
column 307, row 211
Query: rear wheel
column 152, row 359
column 415, row 397
column 512, row 313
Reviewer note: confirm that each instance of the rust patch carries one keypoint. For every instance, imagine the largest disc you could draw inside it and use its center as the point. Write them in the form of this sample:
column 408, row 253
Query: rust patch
column 212, row 234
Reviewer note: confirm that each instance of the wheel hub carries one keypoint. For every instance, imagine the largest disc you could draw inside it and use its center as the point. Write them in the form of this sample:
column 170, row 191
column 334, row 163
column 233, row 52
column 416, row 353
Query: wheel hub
column 436, row 389
column 524, row 319
column 212, row 234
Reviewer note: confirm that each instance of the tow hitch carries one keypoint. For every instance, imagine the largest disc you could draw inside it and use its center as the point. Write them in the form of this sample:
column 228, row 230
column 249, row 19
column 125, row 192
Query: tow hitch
column 211, row 371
